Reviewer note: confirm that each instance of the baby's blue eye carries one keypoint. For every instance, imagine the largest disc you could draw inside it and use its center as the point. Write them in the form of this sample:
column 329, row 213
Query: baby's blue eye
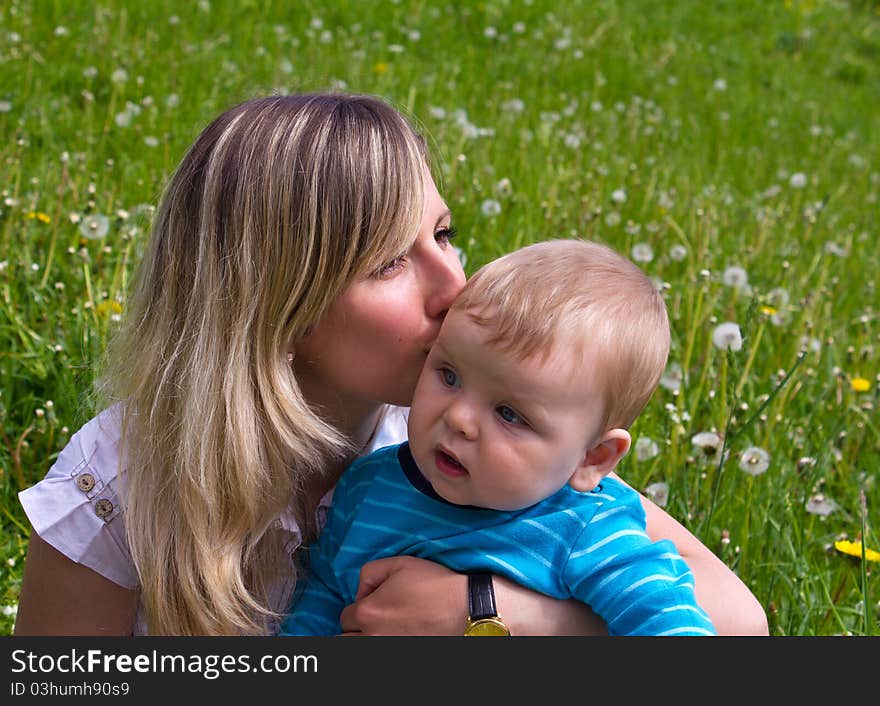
column 450, row 379
column 508, row 415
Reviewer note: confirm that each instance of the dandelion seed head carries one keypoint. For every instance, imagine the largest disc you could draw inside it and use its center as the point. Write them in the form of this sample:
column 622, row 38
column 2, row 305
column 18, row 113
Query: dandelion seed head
column 708, row 442
column 818, row 504
column 490, row 207
column 642, row 252
column 618, row 196
column 754, row 461
column 677, row 253
column 798, row 180
column 94, row 226
column 646, row 448
column 672, row 377
column 504, row 188
column 658, row 493
column 736, row 277
column 727, row 336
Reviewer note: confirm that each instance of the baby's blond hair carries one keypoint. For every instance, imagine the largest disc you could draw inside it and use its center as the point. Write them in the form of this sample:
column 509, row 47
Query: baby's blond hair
column 580, row 294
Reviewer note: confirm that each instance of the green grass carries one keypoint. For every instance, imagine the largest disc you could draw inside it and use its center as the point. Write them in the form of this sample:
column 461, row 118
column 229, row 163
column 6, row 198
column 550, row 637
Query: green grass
column 702, row 114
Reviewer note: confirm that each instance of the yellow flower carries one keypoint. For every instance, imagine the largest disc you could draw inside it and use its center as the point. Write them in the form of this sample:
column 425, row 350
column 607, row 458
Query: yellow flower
column 39, row 215
column 380, row 67
column 107, row 306
column 855, row 549
column 769, row 310
column 860, row 384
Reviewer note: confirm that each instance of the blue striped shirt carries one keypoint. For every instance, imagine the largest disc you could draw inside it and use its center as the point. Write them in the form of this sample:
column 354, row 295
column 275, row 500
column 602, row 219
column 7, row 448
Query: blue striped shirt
column 589, row 546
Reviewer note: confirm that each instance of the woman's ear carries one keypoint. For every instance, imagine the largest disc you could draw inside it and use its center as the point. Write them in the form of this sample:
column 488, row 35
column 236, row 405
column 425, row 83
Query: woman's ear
column 600, row 459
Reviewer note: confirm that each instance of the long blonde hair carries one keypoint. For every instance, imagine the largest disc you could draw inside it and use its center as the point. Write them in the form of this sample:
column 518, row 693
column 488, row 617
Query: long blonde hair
column 279, row 204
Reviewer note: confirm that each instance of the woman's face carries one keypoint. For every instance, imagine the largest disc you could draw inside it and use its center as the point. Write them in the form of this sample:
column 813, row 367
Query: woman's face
column 374, row 339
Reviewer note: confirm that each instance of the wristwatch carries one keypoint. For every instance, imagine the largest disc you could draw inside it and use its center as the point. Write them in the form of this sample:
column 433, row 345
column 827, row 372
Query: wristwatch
column 483, row 620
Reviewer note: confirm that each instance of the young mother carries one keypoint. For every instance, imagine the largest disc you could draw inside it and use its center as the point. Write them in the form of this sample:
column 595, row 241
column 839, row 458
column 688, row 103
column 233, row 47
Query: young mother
column 299, row 268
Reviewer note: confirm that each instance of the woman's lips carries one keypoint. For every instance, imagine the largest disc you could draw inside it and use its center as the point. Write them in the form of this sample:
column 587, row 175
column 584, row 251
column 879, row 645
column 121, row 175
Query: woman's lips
column 448, row 465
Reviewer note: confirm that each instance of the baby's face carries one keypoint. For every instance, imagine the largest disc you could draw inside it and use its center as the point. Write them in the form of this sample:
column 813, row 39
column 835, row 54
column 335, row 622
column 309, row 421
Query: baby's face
column 489, row 430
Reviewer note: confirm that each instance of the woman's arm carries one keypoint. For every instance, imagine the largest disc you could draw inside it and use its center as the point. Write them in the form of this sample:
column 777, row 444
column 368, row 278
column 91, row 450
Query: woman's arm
column 404, row 595
column 727, row 600
column 61, row 597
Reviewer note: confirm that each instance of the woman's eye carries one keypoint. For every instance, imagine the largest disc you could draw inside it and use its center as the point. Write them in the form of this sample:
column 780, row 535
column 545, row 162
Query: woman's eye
column 389, row 268
column 509, row 416
column 449, row 378
column 444, row 235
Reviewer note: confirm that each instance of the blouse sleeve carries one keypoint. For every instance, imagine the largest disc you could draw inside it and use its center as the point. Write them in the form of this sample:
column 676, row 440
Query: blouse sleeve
column 76, row 507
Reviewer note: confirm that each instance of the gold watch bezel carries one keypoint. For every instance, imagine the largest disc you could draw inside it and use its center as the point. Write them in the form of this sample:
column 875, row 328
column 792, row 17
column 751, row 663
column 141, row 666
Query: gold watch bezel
column 486, row 627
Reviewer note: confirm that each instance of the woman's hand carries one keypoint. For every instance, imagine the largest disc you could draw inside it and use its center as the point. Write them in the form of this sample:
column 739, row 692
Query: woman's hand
column 404, row 595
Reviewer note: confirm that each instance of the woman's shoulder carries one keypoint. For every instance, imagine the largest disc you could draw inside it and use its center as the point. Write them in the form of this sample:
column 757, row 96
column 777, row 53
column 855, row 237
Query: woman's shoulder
column 76, row 507
column 391, row 429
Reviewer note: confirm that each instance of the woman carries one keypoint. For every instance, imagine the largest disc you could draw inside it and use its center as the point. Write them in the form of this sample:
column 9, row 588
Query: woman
column 299, row 268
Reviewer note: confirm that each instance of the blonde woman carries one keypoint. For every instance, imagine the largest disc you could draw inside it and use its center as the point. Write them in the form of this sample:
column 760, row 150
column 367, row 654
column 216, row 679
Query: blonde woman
column 298, row 271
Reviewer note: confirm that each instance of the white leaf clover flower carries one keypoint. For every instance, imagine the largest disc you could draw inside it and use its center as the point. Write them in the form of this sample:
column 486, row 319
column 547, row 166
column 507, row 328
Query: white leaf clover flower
column 727, row 336
column 754, row 461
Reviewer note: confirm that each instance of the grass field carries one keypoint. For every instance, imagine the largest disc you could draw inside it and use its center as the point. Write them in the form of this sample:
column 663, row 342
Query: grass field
column 730, row 147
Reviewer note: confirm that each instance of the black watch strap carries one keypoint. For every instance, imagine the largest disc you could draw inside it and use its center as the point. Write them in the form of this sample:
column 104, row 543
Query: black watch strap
column 481, row 596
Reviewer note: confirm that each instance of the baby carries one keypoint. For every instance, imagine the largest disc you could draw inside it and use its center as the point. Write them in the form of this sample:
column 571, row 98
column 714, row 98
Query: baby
column 521, row 412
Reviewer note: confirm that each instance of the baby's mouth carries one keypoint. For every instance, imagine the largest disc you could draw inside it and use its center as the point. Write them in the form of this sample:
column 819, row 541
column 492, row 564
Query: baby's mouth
column 448, row 464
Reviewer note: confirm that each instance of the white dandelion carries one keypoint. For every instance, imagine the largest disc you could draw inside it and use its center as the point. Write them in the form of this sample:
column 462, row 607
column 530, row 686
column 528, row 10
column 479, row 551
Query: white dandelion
column 708, row 442
column 490, row 207
column 778, row 298
column 642, row 252
column 504, row 188
column 646, row 448
column 658, row 493
column 736, row 277
column 672, row 377
column 727, row 336
column 94, row 226
column 678, row 253
column 798, row 180
column 618, row 196
column 820, row 505
column 754, row 461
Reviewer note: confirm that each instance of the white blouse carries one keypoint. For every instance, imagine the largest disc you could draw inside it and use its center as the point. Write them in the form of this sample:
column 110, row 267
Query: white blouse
column 76, row 507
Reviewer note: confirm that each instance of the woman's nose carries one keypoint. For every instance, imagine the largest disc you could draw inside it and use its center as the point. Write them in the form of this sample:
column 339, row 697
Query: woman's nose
column 446, row 281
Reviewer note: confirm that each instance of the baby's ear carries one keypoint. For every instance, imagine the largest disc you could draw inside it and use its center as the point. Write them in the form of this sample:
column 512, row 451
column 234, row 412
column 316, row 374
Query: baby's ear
column 600, row 459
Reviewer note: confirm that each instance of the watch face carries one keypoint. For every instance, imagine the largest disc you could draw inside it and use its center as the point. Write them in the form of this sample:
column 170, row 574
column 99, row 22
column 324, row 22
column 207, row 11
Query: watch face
column 488, row 627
